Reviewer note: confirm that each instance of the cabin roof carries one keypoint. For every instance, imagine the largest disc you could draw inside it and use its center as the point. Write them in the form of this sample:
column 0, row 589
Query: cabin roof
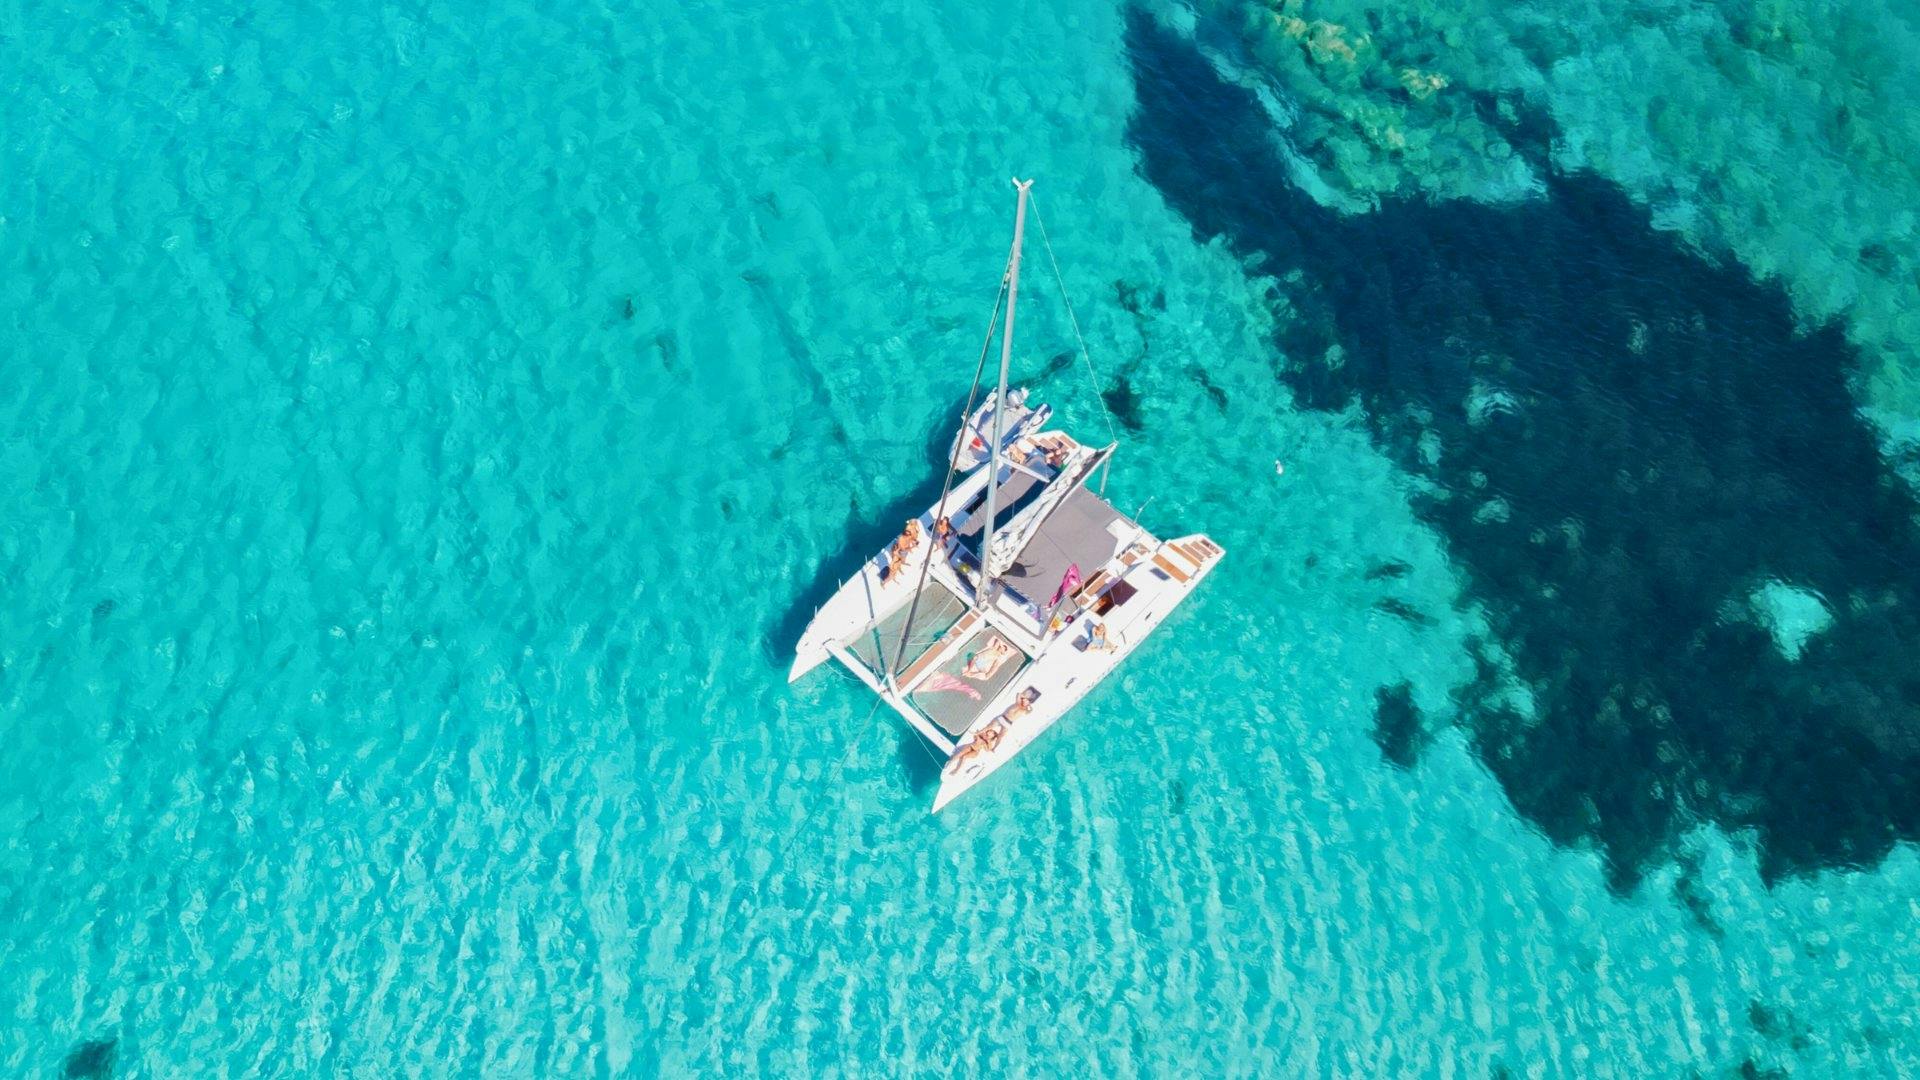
column 1013, row 495
column 1078, row 531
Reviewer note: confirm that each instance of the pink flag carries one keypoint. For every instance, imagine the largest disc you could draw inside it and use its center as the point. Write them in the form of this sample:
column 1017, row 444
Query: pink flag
column 940, row 680
column 1068, row 582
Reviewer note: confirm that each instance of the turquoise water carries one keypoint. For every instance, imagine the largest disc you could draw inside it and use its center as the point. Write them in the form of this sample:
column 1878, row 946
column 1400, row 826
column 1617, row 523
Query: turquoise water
column 422, row 426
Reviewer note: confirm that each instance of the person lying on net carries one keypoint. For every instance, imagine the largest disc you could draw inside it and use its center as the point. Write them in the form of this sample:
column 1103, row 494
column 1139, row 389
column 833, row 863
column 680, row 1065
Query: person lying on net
column 983, row 664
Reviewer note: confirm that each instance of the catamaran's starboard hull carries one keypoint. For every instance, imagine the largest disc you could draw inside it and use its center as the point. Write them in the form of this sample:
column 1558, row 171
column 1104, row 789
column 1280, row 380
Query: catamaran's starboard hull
column 1064, row 672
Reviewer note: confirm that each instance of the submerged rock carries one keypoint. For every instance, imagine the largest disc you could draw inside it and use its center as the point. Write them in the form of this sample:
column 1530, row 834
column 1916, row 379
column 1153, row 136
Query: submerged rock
column 1422, row 84
column 1780, row 133
column 93, row 1059
column 1792, row 615
column 1398, row 728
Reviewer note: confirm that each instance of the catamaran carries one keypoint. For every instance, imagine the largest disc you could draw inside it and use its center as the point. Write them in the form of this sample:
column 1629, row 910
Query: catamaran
column 1016, row 592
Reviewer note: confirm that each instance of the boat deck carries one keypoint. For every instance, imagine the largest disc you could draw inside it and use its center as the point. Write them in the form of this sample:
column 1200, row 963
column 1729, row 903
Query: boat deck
column 1013, row 495
column 954, row 710
column 939, row 609
column 1086, row 531
column 1130, row 580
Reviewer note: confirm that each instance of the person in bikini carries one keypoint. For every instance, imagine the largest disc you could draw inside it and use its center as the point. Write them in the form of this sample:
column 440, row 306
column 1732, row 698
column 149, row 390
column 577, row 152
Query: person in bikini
column 909, row 538
column 1021, row 706
column 902, row 547
column 1097, row 640
column 982, row 742
column 983, row 664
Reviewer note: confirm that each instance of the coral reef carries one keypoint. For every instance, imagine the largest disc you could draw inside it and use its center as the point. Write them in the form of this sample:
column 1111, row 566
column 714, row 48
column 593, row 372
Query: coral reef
column 1784, row 133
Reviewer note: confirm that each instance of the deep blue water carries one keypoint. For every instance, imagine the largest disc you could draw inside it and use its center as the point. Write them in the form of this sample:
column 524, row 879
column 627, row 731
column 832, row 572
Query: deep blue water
column 1666, row 438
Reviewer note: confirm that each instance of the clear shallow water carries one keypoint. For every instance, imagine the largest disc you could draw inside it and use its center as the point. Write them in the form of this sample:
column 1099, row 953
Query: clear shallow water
column 423, row 427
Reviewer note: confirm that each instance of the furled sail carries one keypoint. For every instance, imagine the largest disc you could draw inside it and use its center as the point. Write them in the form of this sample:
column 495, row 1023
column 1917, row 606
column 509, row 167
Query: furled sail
column 1074, row 473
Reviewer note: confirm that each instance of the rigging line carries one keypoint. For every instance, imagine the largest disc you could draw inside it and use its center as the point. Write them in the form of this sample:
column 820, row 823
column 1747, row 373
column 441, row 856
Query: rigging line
column 854, row 744
column 953, row 465
column 1061, row 282
column 932, row 751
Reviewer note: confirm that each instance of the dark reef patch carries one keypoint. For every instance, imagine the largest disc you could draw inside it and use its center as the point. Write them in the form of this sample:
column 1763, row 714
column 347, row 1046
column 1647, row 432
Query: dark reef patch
column 1207, row 384
column 1405, row 612
column 1129, row 296
column 1123, row 401
column 667, row 348
column 1694, row 897
column 1632, row 439
column 1056, row 364
column 1778, row 1025
column 1391, row 570
column 1397, row 725
column 93, row 1059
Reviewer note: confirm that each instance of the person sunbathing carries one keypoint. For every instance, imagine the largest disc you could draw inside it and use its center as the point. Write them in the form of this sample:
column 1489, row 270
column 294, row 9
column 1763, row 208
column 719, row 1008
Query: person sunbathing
column 962, row 756
column 983, row 664
column 1021, row 706
column 982, row 742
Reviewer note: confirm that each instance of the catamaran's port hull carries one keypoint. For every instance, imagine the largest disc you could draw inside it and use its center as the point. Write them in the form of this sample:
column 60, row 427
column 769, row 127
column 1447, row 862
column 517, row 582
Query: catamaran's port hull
column 867, row 598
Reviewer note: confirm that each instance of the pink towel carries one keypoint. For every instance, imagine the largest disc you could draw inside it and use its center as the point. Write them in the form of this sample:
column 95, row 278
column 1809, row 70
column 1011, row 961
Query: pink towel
column 1069, row 581
column 940, row 680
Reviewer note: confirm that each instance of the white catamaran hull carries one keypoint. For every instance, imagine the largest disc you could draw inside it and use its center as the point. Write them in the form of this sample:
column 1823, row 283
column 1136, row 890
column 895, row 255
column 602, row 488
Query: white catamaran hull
column 1064, row 671
column 1037, row 591
column 867, row 597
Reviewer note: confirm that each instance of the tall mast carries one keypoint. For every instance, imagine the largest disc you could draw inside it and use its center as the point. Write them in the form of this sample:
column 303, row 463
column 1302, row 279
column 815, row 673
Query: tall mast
column 984, row 594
